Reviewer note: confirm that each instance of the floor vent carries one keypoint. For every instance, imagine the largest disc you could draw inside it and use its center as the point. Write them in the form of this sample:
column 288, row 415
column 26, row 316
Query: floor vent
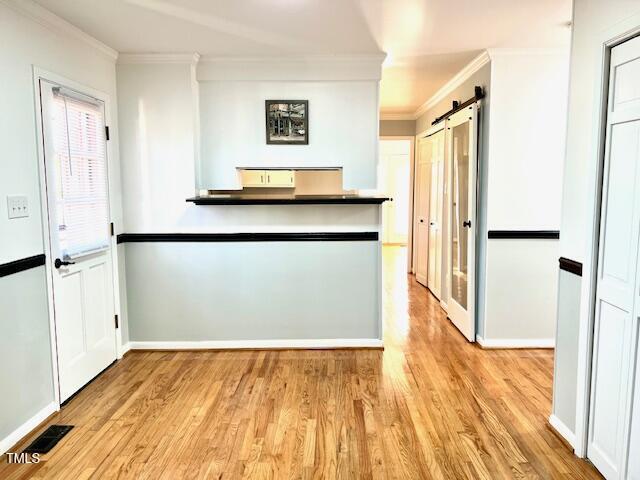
column 48, row 439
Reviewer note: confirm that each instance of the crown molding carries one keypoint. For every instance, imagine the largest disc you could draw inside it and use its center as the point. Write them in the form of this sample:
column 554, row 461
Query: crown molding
column 376, row 58
column 154, row 58
column 501, row 52
column 351, row 67
column 458, row 79
column 397, row 116
column 42, row 16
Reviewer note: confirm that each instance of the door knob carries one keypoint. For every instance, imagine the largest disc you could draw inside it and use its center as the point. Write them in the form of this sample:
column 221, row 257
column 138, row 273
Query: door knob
column 422, row 220
column 432, row 224
column 59, row 263
column 467, row 223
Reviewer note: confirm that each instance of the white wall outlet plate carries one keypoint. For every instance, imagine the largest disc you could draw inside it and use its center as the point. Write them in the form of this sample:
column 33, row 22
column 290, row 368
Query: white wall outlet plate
column 17, row 206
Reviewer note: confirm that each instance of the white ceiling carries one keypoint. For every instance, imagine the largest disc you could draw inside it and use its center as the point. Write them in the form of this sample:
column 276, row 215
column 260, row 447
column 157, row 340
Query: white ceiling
column 428, row 41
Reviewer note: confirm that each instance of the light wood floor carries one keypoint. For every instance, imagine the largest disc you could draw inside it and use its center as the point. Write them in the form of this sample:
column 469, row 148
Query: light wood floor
column 430, row 406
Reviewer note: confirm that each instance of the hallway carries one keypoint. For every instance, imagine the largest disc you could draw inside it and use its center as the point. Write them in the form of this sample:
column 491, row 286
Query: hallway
column 430, row 406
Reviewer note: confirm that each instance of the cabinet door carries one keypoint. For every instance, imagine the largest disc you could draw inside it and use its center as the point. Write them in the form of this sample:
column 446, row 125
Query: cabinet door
column 253, row 178
column 280, row 178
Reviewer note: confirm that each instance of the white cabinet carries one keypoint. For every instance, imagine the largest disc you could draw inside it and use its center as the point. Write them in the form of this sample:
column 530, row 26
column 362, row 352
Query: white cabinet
column 280, row 178
column 267, row 178
column 252, row 178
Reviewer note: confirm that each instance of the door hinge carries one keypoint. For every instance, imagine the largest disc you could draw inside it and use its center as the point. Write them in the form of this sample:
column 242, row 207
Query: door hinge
column 106, row 132
column 113, row 229
column 117, row 322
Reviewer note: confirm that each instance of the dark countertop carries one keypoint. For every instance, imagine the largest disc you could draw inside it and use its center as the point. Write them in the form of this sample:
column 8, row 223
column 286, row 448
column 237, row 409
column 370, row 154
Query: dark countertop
column 239, row 199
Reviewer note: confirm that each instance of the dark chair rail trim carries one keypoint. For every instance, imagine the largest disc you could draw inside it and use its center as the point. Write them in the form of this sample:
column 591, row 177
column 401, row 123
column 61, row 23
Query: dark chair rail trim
column 302, row 200
column 525, row 234
column 21, row 265
column 248, row 237
column 571, row 266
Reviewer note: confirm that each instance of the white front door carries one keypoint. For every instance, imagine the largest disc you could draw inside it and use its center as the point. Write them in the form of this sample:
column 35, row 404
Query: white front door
column 394, row 182
column 617, row 302
column 436, row 193
column 423, row 182
column 80, row 243
column 461, row 145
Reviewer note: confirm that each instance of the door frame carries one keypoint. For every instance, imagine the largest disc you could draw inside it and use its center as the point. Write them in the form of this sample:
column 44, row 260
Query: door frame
column 412, row 167
column 41, row 74
column 609, row 38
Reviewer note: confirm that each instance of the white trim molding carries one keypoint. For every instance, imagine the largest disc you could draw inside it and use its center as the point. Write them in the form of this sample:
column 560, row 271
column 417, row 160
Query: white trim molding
column 154, row 58
column 292, row 68
column 562, row 430
column 458, row 79
column 516, row 342
column 332, row 343
column 50, row 20
column 497, row 52
column 23, row 430
column 125, row 348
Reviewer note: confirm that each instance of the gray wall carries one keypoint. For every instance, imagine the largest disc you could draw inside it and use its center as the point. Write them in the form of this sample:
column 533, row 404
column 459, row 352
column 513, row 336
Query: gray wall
column 253, row 291
column 122, row 278
column 566, row 360
column 397, row 128
column 25, row 353
column 465, row 91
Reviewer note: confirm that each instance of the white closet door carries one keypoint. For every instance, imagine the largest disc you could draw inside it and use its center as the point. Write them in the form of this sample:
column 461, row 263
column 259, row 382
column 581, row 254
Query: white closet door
column 633, row 471
column 394, row 182
column 616, row 324
column 423, row 181
column 436, row 193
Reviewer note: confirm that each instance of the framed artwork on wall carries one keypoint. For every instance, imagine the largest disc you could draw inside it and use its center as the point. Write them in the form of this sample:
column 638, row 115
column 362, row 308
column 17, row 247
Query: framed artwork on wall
column 287, row 122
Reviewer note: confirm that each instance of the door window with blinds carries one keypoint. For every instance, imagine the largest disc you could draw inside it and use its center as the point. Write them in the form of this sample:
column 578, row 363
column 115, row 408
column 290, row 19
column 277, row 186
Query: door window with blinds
column 79, row 202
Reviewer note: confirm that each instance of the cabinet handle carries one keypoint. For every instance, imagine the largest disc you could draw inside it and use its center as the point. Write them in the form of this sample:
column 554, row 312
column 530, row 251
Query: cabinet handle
column 268, row 178
column 261, row 178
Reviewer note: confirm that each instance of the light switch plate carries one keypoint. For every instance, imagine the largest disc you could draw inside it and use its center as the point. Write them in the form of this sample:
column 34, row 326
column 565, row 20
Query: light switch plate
column 17, row 206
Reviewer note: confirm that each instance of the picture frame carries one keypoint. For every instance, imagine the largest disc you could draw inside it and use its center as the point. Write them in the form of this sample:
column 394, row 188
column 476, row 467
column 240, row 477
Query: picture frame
column 287, row 122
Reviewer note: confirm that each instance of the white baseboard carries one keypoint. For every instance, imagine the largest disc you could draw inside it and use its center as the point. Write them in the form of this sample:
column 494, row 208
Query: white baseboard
column 562, row 430
column 259, row 344
column 126, row 347
column 24, row 429
column 516, row 342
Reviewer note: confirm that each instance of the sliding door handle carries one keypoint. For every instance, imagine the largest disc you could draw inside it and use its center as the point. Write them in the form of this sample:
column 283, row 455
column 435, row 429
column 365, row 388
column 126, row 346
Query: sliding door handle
column 60, row 263
column 467, row 223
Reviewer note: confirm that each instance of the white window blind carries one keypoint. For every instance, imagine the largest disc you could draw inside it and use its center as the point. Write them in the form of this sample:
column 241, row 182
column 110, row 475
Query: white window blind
column 82, row 210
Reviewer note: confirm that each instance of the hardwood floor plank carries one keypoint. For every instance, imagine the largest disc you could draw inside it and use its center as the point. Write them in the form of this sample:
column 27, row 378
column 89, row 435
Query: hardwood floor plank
column 430, row 406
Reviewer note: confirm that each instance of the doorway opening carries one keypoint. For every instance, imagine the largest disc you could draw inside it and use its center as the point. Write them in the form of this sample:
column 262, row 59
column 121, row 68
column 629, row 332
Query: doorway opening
column 445, row 214
column 394, row 181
